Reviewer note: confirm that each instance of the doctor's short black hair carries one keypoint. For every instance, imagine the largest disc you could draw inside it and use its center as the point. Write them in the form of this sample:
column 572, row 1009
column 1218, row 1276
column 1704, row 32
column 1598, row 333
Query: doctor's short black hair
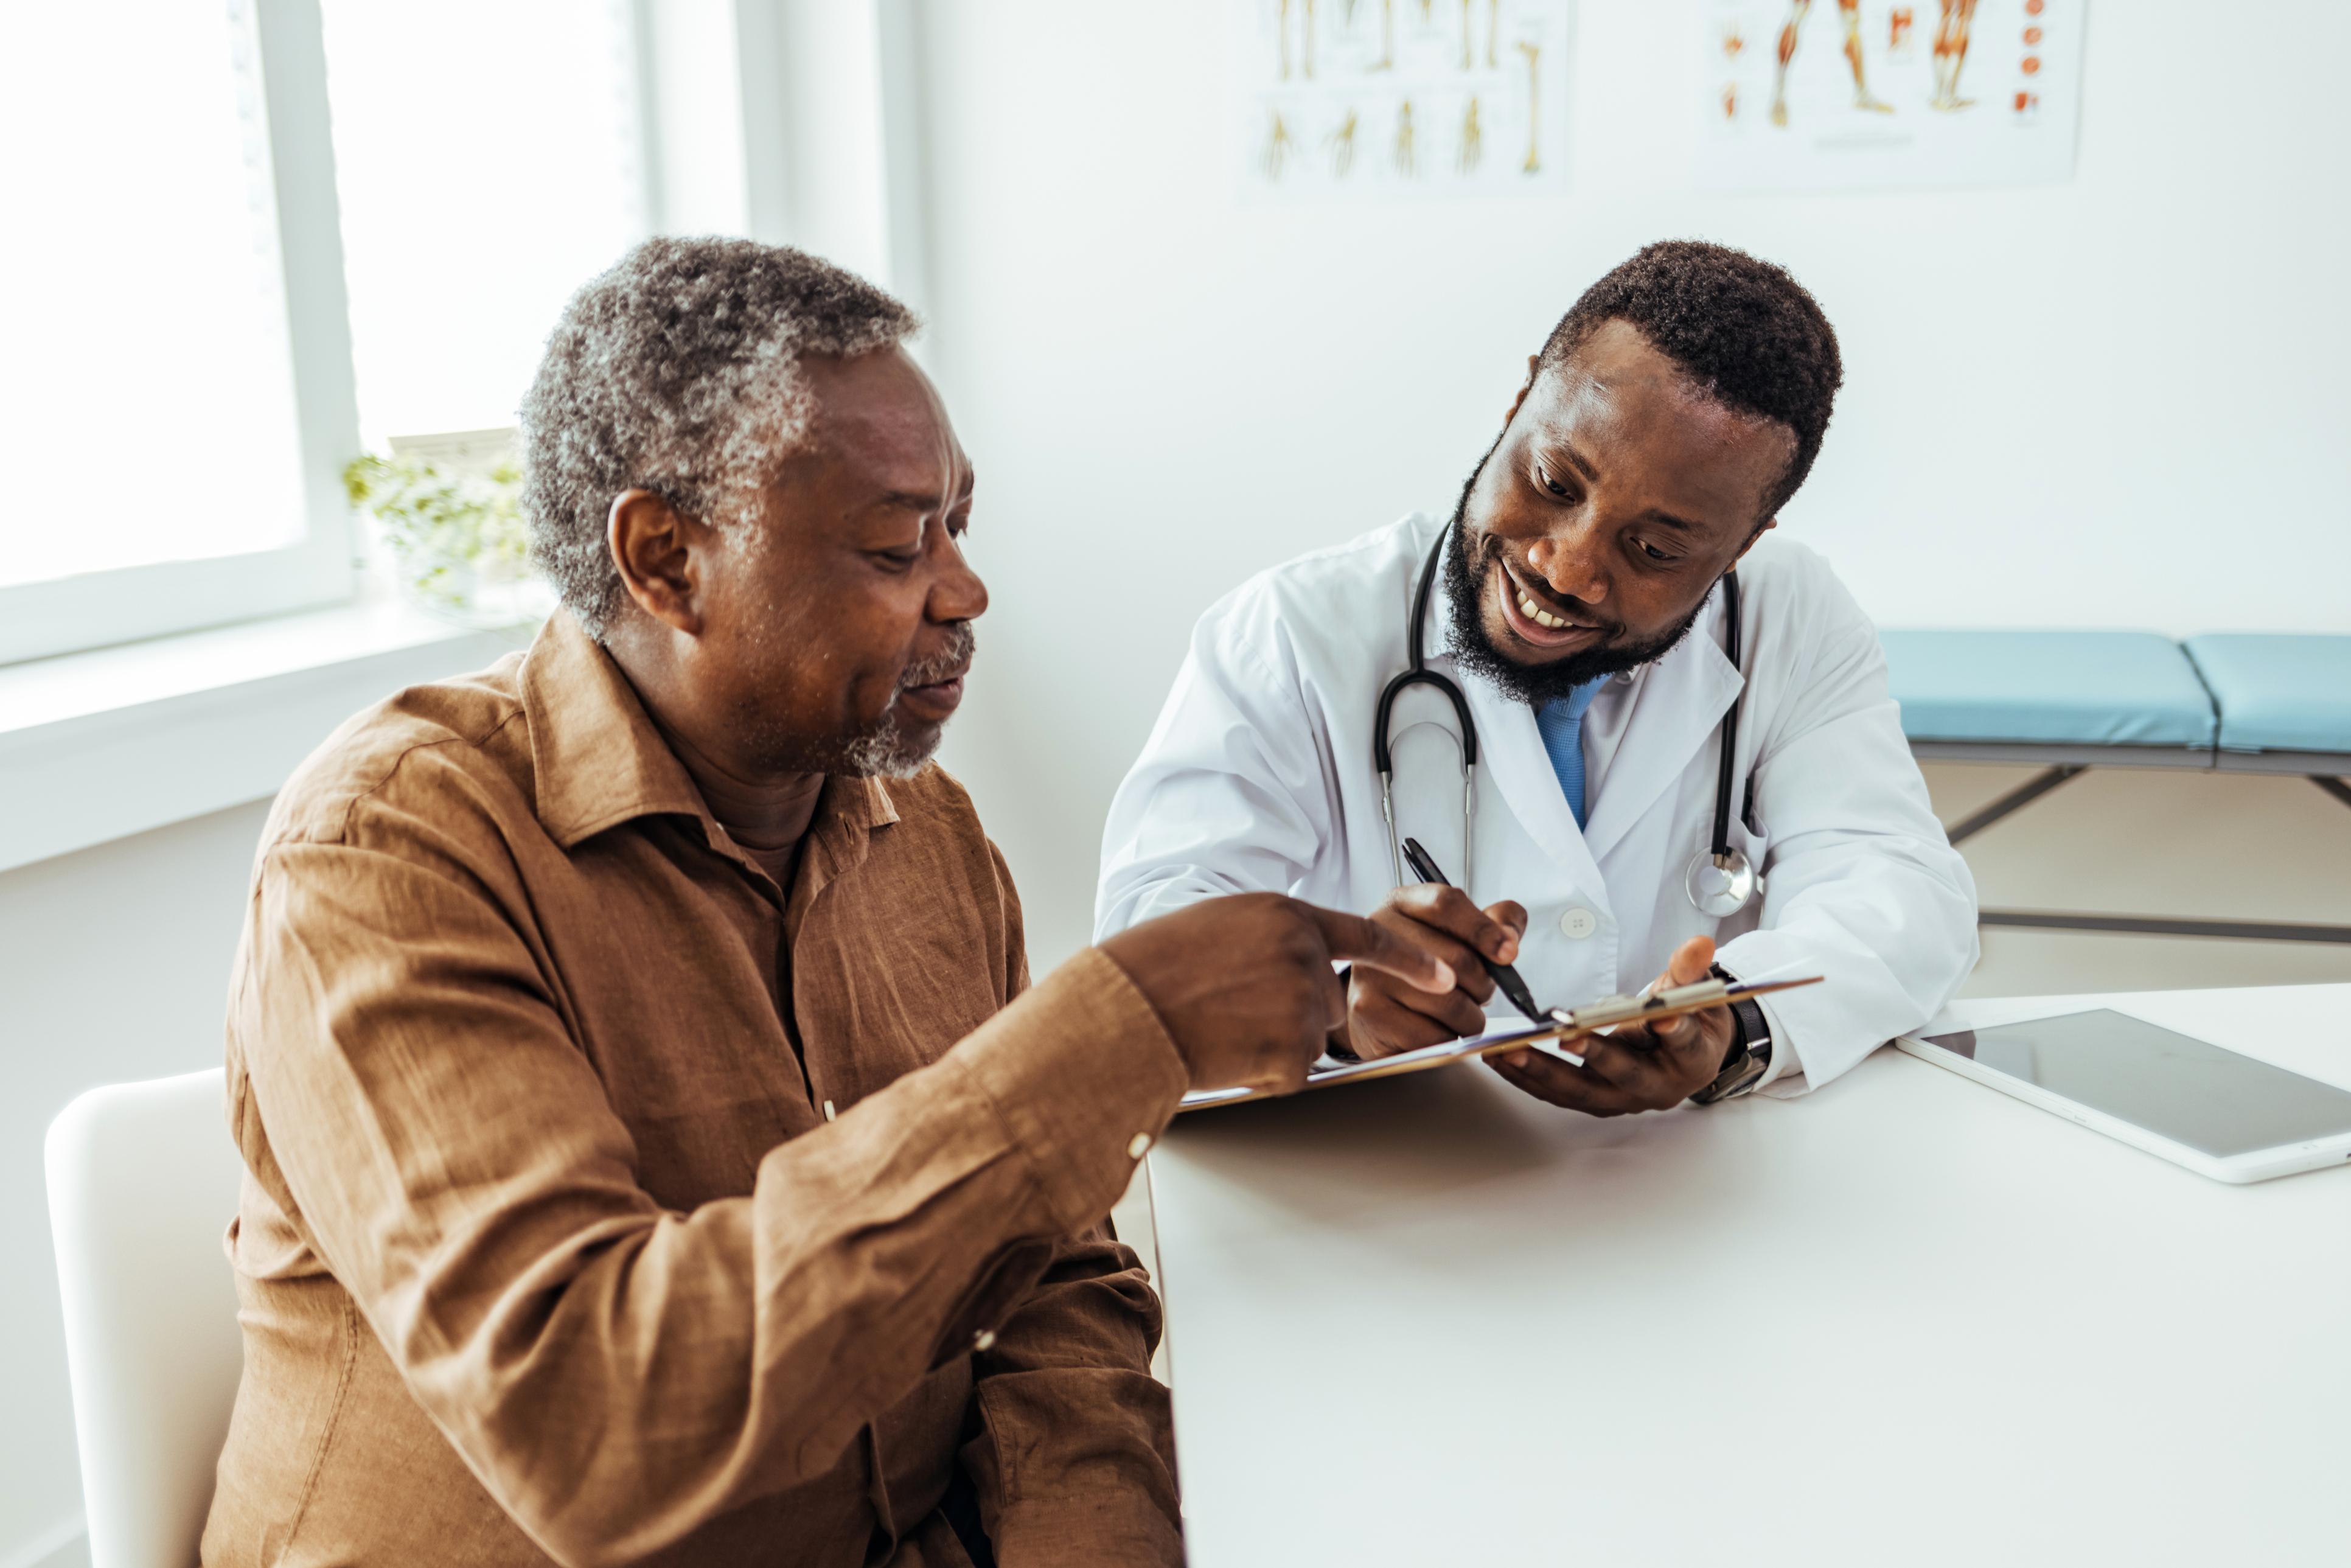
column 1740, row 328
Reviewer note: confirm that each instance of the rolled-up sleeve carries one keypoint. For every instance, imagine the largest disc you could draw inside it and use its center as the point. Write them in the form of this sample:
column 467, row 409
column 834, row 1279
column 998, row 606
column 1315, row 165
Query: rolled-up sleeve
column 1075, row 1460
column 616, row 1373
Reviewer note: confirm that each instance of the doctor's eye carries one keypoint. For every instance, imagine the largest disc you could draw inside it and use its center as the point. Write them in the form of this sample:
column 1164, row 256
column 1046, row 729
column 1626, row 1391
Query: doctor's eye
column 1549, row 484
column 1652, row 553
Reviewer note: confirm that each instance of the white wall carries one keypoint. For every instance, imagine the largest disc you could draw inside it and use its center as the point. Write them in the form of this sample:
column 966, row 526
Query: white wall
column 2112, row 402
column 114, row 963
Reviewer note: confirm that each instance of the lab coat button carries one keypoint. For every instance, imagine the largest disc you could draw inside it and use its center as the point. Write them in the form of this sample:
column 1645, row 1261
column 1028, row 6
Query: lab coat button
column 1577, row 923
column 1138, row 1145
column 984, row 1339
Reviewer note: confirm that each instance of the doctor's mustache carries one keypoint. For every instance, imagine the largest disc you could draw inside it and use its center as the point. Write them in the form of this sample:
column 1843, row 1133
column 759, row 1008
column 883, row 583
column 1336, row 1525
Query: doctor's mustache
column 1482, row 553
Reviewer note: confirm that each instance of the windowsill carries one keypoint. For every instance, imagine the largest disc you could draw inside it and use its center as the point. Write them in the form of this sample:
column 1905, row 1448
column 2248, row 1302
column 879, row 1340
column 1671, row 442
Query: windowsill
column 100, row 746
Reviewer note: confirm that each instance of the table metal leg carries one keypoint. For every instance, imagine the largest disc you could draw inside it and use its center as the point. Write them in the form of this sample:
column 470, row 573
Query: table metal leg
column 2158, row 925
column 2016, row 800
column 2040, row 784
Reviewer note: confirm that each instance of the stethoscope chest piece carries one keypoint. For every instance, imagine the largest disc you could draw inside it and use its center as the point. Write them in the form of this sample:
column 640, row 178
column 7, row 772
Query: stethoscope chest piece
column 1721, row 885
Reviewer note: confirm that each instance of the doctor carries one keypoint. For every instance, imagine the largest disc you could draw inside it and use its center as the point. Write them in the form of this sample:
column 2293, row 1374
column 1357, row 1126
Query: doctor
column 1638, row 754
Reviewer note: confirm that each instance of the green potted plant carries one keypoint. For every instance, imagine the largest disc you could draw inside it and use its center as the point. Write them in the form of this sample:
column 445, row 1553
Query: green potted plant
column 453, row 529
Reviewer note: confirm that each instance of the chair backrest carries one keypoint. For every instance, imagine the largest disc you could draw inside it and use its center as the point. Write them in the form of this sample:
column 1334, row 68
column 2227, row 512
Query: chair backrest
column 143, row 1182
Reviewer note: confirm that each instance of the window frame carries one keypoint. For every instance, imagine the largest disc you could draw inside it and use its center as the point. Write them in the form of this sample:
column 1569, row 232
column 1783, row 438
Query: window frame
column 64, row 615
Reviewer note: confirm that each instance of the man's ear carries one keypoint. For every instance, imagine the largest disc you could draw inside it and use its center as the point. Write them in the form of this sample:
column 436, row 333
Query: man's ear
column 1535, row 369
column 1765, row 527
column 659, row 556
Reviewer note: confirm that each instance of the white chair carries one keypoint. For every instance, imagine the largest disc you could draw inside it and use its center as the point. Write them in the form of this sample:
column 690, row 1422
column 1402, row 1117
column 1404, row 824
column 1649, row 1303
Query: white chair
column 142, row 1183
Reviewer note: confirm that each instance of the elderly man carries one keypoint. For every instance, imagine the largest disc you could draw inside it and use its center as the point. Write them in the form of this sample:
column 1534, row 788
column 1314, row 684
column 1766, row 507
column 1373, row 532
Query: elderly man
column 657, row 1152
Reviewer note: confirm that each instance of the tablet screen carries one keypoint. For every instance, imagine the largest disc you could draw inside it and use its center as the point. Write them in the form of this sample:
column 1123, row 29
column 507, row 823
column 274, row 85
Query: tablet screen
column 2189, row 1091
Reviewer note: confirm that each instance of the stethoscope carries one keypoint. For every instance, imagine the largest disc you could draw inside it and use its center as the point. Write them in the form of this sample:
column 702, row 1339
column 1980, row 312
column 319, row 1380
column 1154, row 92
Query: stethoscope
column 1720, row 882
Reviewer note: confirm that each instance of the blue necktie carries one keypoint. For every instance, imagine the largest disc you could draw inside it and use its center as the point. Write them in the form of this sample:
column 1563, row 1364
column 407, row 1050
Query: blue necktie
column 1560, row 720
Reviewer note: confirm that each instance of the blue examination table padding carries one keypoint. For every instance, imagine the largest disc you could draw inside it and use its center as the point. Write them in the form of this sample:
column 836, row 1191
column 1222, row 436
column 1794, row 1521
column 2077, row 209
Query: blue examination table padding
column 2066, row 702
column 2061, row 688
column 2276, row 692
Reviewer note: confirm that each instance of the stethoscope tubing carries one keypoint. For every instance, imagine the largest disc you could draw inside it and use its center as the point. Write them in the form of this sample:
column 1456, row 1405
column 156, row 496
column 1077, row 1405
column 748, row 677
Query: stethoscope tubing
column 1740, row 883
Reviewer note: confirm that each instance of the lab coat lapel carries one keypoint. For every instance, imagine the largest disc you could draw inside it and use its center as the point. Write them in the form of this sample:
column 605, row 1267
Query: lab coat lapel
column 1514, row 758
column 1510, row 753
column 1677, row 704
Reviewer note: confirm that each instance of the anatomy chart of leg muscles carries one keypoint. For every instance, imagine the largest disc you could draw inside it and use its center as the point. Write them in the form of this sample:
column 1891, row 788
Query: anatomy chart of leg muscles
column 1386, row 98
column 1822, row 94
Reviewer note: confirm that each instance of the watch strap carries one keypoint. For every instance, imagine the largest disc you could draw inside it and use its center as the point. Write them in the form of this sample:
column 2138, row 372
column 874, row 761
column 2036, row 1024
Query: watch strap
column 1749, row 1055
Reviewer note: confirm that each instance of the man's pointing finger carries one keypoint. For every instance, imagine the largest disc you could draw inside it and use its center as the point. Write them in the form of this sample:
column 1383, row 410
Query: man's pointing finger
column 1351, row 938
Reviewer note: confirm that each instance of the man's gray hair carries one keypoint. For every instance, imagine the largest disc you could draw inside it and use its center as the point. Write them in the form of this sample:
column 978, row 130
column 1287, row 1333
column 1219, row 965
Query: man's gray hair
column 678, row 371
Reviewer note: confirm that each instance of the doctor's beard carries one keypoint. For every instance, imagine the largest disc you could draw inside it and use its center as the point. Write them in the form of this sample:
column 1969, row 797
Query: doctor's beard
column 1465, row 586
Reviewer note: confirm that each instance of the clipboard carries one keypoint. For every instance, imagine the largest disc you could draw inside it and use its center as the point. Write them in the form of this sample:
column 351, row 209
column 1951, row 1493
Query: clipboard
column 1593, row 1017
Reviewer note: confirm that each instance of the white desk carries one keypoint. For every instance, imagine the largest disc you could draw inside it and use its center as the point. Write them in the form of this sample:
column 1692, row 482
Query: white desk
column 1430, row 1321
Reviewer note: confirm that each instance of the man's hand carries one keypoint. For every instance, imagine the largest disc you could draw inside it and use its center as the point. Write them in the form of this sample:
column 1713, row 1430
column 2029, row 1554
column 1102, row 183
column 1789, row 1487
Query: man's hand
column 1244, row 984
column 1386, row 1015
column 1641, row 1066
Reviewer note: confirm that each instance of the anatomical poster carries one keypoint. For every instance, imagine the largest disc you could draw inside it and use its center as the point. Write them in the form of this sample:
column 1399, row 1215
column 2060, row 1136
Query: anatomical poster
column 1398, row 97
column 1823, row 94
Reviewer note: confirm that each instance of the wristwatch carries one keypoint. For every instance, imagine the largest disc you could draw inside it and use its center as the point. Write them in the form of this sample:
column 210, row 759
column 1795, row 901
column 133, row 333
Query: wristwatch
column 1749, row 1056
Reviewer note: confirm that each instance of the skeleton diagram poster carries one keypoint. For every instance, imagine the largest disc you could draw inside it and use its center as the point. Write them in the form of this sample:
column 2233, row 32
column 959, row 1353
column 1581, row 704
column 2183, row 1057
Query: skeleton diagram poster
column 1400, row 97
column 1889, row 93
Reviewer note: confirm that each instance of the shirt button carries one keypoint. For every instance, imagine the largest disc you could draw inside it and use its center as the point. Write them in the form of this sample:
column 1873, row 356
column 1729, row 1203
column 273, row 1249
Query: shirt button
column 983, row 1339
column 1577, row 923
column 1138, row 1145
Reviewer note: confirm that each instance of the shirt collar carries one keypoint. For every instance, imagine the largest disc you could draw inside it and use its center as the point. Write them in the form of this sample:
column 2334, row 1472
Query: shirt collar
column 598, row 762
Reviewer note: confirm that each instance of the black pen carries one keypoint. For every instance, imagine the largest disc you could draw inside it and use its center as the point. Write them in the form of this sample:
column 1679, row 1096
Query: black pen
column 1505, row 977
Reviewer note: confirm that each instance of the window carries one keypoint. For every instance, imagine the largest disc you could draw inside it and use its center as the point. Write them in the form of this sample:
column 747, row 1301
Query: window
column 490, row 162
column 229, row 286
column 178, row 400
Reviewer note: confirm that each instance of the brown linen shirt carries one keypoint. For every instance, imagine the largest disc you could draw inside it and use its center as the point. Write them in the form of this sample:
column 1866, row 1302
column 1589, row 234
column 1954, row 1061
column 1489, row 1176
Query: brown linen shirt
column 548, row 1248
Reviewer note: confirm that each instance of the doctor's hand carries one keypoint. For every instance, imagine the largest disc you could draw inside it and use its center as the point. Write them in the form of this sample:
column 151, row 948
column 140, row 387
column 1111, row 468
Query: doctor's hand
column 1245, row 984
column 1640, row 1067
column 1386, row 1015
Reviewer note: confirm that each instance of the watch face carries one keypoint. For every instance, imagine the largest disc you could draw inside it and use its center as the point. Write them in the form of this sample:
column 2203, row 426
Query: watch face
column 1734, row 1080
column 1740, row 1070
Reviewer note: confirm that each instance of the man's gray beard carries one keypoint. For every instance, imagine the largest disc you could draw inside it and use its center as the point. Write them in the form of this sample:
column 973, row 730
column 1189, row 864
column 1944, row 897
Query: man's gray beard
column 884, row 748
column 885, row 752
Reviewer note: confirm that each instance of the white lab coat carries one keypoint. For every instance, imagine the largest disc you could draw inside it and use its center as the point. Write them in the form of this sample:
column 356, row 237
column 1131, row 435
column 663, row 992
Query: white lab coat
column 1258, row 777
